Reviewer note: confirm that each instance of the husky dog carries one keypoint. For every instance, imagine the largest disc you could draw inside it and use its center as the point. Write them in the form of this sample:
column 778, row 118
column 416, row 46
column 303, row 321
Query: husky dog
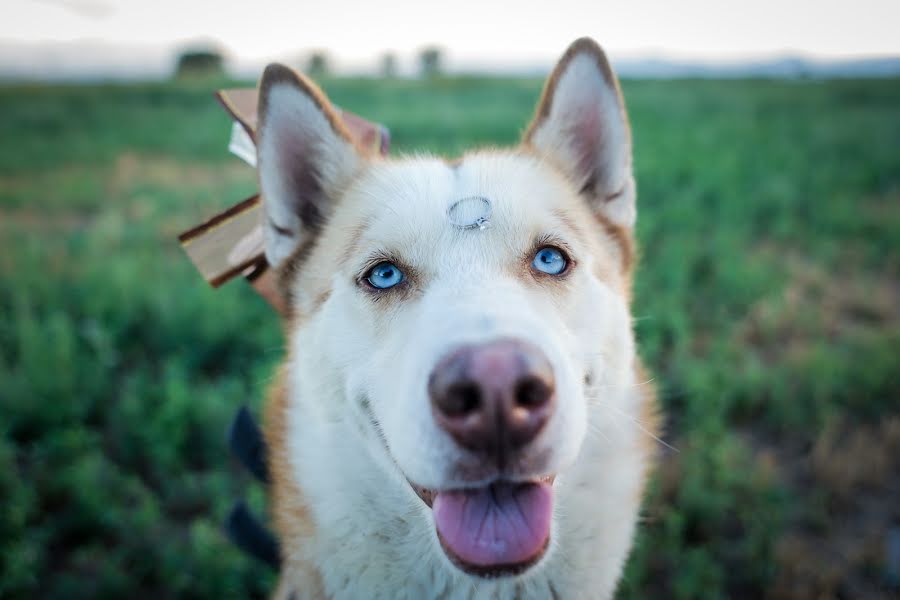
column 461, row 412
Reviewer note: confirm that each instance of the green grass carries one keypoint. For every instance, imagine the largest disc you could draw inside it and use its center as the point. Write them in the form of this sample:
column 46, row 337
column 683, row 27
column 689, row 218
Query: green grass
column 766, row 299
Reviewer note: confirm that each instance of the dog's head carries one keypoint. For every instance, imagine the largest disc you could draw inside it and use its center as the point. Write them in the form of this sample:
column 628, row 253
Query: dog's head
column 463, row 313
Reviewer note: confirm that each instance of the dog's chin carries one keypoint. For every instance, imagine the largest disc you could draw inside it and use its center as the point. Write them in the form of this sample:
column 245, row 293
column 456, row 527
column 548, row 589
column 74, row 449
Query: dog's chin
column 501, row 529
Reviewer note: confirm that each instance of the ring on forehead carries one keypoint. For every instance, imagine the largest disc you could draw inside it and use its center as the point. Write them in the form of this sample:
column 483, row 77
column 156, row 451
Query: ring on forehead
column 472, row 212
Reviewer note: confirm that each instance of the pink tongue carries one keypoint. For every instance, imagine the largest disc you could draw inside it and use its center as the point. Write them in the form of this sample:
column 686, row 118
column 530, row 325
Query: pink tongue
column 501, row 524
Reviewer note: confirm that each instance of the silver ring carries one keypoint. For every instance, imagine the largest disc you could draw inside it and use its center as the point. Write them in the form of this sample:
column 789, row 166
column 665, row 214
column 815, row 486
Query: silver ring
column 471, row 212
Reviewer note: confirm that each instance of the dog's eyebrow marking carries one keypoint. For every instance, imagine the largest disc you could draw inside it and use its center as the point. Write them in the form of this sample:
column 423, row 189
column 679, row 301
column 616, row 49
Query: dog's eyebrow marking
column 353, row 241
column 472, row 212
column 570, row 223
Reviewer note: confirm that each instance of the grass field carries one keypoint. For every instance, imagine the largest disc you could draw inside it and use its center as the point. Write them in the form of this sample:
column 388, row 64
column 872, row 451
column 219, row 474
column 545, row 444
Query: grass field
column 766, row 303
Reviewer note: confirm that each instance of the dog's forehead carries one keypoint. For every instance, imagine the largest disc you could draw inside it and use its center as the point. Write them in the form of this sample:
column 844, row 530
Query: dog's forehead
column 504, row 195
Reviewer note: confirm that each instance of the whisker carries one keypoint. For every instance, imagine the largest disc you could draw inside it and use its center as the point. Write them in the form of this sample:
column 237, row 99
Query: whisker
column 596, row 401
column 596, row 430
column 626, row 386
column 640, row 426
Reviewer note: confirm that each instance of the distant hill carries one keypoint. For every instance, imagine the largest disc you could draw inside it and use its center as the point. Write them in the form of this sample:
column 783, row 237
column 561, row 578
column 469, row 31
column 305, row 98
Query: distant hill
column 780, row 67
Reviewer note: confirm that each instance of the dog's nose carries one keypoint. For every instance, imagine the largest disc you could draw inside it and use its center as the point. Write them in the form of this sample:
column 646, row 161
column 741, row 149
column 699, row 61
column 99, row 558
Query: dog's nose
column 493, row 398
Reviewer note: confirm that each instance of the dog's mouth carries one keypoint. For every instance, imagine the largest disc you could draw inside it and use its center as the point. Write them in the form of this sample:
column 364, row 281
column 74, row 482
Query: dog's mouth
column 497, row 530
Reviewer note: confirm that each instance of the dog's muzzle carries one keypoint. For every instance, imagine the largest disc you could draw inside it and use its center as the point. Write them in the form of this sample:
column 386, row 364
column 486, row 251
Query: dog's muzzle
column 493, row 399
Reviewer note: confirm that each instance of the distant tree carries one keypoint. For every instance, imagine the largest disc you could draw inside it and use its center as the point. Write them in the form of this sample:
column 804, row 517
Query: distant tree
column 431, row 61
column 199, row 63
column 318, row 64
column 388, row 66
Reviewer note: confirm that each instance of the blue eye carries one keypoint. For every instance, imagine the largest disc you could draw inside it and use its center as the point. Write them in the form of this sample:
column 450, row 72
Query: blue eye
column 384, row 275
column 550, row 260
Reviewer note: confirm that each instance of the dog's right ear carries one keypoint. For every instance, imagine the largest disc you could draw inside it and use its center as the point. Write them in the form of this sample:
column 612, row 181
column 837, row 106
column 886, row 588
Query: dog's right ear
column 582, row 127
column 304, row 156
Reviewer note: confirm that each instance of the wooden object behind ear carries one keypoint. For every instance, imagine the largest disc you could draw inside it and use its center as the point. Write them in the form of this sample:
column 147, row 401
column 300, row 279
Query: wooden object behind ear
column 230, row 243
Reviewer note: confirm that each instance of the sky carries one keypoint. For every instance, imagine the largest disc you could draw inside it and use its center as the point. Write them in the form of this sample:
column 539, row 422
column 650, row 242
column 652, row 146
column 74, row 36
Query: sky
column 471, row 31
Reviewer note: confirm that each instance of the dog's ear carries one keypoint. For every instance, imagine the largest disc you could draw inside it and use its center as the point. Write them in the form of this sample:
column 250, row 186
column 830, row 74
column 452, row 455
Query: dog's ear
column 581, row 126
column 305, row 155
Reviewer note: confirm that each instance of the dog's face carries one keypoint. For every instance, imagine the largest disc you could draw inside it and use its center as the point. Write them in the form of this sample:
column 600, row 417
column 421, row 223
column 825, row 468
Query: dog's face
column 465, row 313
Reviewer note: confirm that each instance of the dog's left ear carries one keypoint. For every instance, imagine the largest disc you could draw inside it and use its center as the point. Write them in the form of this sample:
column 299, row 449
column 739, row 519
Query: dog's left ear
column 581, row 126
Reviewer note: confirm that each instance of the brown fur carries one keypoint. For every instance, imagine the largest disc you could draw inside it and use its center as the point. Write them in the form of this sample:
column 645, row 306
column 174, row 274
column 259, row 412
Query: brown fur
column 293, row 524
column 624, row 240
column 291, row 517
column 650, row 416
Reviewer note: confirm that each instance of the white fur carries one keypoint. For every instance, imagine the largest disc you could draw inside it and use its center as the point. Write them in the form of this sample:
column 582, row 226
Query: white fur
column 359, row 423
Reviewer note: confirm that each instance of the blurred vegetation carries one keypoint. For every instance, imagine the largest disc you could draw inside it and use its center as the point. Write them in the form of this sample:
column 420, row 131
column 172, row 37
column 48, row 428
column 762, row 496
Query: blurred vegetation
column 431, row 61
column 199, row 63
column 318, row 65
column 387, row 65
column 766, row 307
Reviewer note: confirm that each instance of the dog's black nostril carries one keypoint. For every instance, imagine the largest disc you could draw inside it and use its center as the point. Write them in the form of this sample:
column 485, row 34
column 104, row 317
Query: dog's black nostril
column 531, row 392
column 461, row 399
